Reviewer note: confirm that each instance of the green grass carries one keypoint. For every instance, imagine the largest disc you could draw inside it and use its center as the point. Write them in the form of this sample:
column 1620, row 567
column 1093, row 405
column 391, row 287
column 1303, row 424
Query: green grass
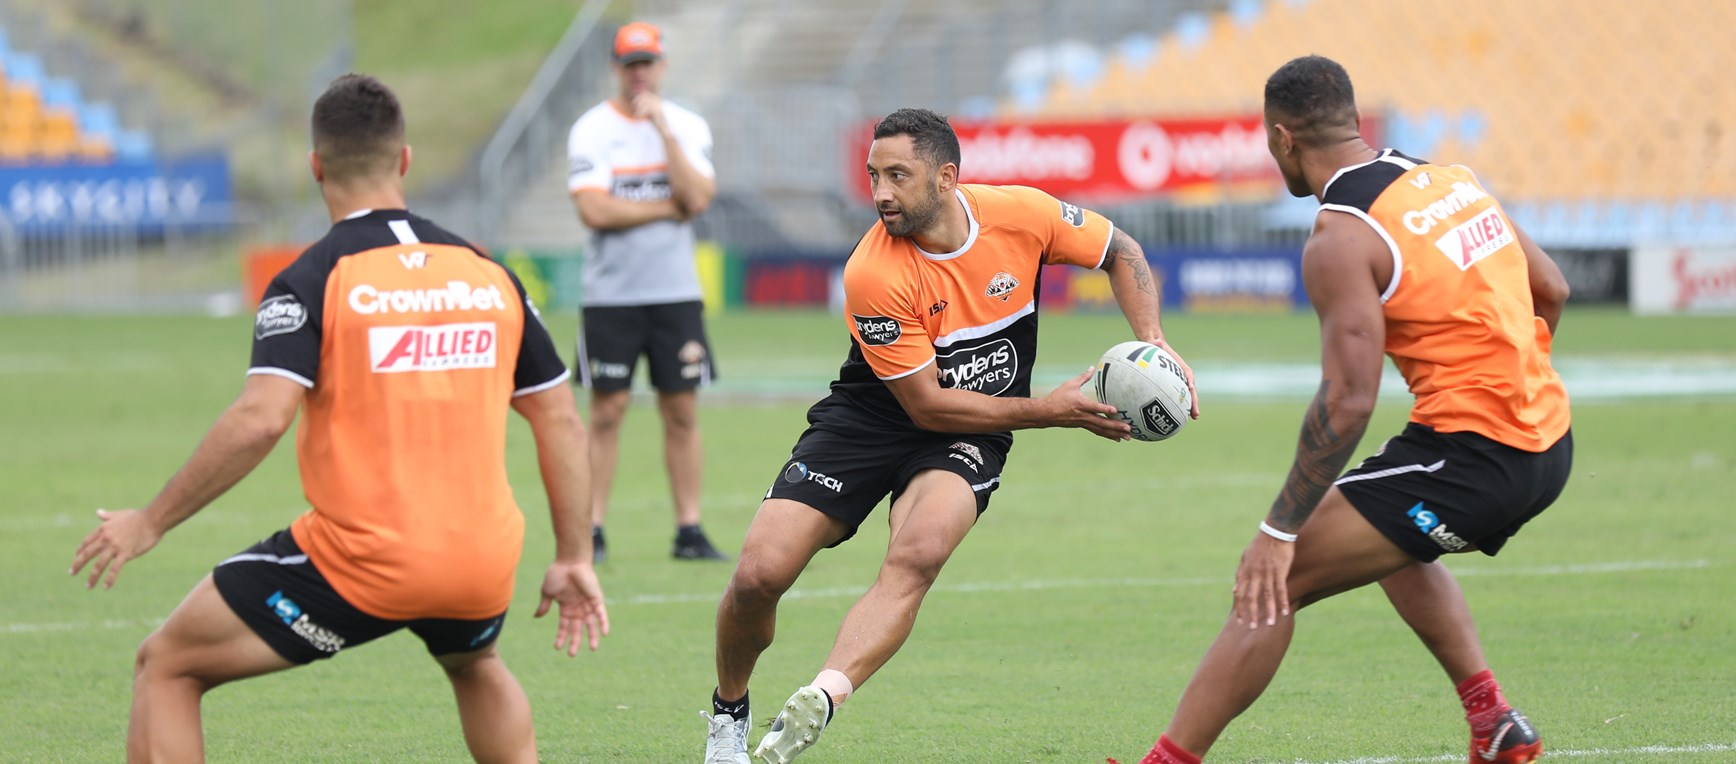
column 1062, row 631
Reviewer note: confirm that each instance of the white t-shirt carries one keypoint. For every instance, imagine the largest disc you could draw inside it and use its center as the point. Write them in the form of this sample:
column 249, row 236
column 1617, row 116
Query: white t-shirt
column 612, row 152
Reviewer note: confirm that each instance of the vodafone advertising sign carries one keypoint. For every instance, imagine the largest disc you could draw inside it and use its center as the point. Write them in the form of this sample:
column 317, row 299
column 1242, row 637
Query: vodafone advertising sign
column 1109, row 159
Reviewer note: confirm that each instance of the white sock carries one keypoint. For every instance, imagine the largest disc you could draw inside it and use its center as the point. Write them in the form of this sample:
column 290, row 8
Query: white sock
column 836, row 685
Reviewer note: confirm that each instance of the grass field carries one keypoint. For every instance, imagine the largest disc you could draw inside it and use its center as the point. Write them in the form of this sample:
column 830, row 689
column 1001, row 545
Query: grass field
column 1062, row 631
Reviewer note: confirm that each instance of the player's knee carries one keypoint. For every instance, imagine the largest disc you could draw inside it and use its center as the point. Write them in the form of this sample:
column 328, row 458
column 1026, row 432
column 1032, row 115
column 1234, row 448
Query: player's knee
column 915, row 562
column 758, row 581
column 158, row 659
column 459, row 666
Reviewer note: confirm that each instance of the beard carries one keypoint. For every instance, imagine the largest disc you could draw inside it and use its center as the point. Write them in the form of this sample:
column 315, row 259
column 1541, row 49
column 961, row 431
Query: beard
column 915, row 218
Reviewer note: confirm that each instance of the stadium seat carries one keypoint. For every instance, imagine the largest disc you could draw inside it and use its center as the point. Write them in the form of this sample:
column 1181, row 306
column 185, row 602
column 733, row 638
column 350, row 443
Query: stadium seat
column 1545, row 116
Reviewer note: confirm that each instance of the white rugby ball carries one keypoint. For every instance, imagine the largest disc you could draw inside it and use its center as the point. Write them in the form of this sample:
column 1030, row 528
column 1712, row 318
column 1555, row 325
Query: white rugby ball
column 1147, row 387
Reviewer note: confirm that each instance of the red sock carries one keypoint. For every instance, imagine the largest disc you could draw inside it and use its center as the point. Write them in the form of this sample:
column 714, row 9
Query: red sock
column 1481, row 696
column 1167, row 752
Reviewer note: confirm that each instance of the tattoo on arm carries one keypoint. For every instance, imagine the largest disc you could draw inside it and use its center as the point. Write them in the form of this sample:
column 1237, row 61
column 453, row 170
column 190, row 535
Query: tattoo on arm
column 1321, row 454
column 1124, row 252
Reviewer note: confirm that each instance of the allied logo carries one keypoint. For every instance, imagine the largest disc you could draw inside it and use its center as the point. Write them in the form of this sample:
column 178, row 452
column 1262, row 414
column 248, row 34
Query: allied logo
column 798, row 472
column 1002, row 286
column 1073, row 214
column 877, row 330
column 432, row 348
column 1431, row 525
column 1477, row 238
column 279, row 315
column 323, row 639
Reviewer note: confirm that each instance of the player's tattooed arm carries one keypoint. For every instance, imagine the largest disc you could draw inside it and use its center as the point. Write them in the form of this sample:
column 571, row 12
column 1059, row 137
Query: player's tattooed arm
column 1126, row 256
column 1322, row 450
column 1135, row 290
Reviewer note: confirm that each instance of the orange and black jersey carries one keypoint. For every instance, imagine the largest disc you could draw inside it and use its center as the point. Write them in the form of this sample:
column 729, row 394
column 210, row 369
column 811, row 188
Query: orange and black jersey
column 970, row 313
column 411, row 344
column 1460, row 323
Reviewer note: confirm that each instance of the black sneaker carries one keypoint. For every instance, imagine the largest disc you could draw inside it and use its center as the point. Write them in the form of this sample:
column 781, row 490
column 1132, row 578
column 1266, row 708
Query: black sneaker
column 693, row 545
column 599, row 548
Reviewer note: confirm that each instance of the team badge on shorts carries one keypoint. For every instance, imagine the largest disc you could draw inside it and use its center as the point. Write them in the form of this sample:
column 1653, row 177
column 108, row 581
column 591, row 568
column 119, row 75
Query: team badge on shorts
column 1002, row 286
column 967, row 453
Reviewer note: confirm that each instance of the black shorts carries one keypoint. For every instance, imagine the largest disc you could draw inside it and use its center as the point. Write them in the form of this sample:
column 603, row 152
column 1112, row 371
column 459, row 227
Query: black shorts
column 846, row 476
column 1437, row 492
column 281, row 596
column 671, row 336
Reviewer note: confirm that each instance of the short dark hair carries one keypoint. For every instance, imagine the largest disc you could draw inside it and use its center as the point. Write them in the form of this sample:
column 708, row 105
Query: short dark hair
column 933, row 136
column 1311, row 95
column 358, row 127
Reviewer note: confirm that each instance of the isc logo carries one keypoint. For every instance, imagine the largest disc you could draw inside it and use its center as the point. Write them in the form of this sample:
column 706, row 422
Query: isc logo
column 432, row 348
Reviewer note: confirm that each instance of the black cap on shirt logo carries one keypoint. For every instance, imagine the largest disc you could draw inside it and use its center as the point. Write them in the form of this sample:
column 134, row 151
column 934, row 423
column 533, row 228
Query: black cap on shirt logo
column 877, row 330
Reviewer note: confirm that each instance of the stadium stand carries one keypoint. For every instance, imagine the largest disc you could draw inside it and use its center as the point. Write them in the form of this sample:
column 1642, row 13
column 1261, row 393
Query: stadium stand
column 46, row 120
column 1544, row 97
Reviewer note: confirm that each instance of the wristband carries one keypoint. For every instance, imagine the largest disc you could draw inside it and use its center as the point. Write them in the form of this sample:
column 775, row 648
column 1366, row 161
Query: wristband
column 1277, row 534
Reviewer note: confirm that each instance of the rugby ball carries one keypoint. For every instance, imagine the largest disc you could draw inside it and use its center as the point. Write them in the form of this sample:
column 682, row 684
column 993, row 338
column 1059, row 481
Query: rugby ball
column 1147, row 387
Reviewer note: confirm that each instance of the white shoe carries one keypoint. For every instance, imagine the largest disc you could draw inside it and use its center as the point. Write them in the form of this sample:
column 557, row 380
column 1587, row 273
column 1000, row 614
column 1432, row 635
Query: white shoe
column 798, row 726
column 726, row 743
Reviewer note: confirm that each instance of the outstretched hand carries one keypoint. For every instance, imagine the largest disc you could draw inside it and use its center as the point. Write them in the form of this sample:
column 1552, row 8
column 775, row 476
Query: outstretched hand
column 1193, row 392
column 574, row 587
column 1261, row 590
column 122, row 535
column 1073, row 408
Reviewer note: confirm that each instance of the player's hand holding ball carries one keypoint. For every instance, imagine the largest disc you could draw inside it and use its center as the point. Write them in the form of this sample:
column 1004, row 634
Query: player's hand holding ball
column 1150, row 388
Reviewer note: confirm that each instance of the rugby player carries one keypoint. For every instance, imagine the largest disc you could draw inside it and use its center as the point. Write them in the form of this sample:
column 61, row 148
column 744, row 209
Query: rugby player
column 1417, row 261
column 941, row 305
column 403, row 347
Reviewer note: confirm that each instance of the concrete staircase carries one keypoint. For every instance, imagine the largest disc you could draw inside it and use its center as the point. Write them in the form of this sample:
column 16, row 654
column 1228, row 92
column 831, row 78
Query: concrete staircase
column 781, row 80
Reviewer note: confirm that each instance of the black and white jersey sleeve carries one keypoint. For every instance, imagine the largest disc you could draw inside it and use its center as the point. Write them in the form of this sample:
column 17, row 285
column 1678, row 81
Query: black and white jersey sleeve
column 287, row 327
column 539, row 364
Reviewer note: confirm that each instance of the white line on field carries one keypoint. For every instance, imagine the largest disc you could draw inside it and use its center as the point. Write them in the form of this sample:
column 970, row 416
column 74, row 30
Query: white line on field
column 978, row 587
column 1156, row 583
column 1580, row 753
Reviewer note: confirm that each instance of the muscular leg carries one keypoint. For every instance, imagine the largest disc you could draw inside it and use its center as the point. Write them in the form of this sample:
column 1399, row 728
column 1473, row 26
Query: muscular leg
column 1337, row 551
column 681, row 451
column 1429, row 599
column 929, row 520
column 492, row 707
column 784, row 536
column 608, row 408
column 202, row 645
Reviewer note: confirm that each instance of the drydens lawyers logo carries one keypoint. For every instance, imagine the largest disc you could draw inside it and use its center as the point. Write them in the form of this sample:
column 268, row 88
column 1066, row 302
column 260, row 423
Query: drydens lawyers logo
column 877, row 330
column 279, row 315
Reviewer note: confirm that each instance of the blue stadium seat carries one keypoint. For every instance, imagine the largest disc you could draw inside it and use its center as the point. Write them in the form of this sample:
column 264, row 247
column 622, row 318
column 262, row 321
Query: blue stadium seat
column 1684, row 223
column 1193, row 29
column 1136, row 50
column 59, row 93
column 98, row 119
column 1472, row 127
column 24, row 69
column 1651, row 222
column 1615, row 224
column 133, row 144
column 1246, row 13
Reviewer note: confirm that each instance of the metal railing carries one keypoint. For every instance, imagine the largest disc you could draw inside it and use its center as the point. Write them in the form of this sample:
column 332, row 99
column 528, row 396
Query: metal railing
column 529, row 135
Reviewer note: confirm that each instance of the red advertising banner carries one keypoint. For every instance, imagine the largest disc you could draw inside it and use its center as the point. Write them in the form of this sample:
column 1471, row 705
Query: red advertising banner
column 1109, row 160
